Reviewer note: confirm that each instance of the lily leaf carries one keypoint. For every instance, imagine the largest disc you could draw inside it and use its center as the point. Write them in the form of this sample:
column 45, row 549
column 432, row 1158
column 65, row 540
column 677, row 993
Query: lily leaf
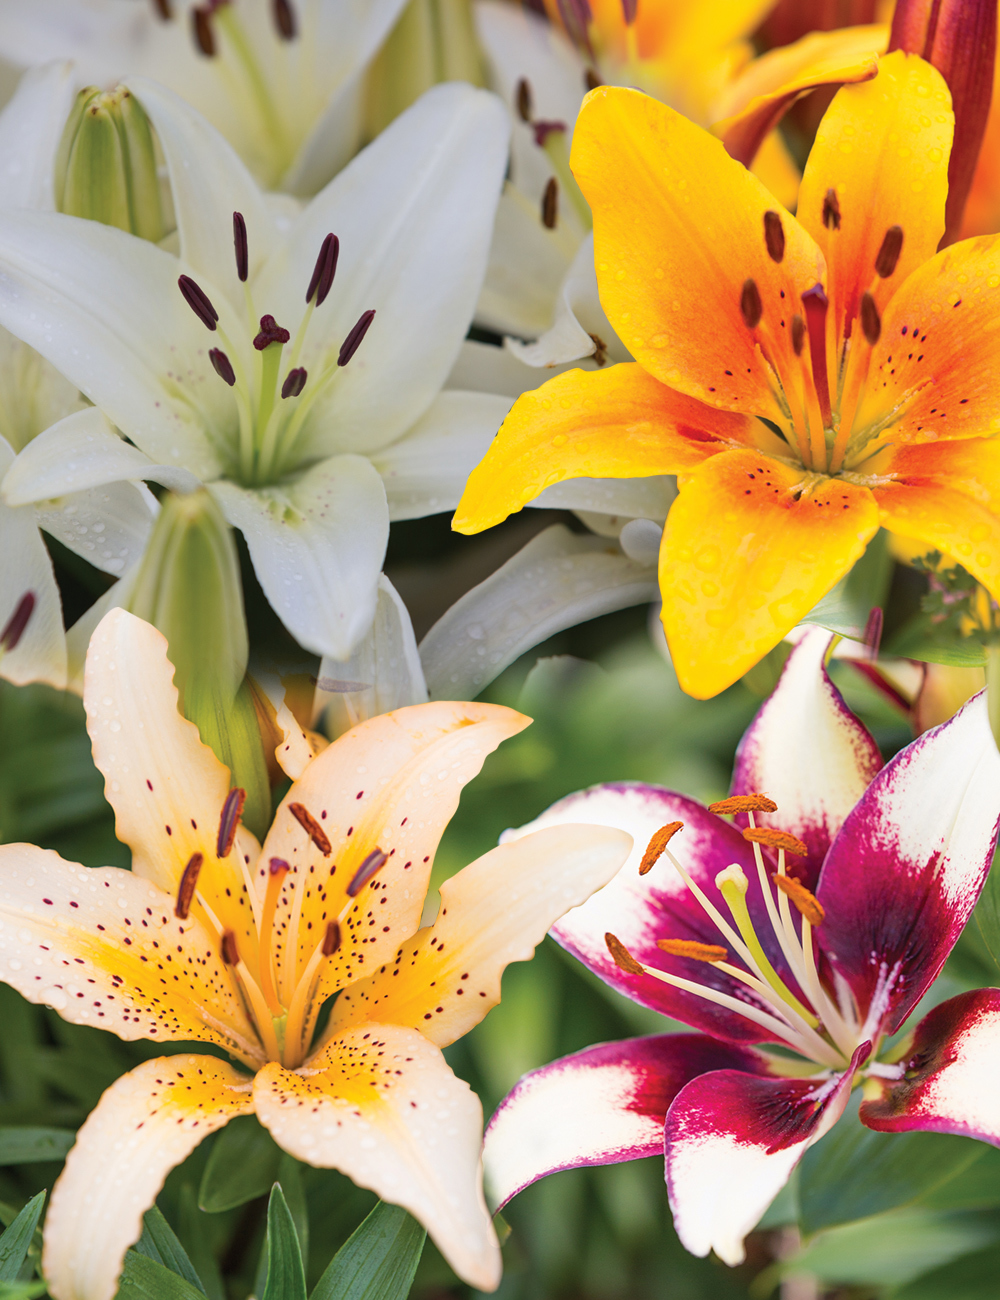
column 24, row 1146
column 973, row 1277
column 286, row 1275
column 845, row 609
column 16, row 1240
column 378, row 1261
column 144, row 1279
column 242, row 1166
column 159, row 1242
column 987, row 914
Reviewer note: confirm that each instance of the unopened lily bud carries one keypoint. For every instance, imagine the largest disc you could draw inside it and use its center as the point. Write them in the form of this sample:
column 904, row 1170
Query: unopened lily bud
column 189, row 587
column 959, row 37
column 106, row 164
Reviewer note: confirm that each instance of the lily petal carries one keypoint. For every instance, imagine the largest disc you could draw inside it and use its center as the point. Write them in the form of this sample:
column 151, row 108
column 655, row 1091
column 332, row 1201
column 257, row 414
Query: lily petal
column 808, row 752
column 445, row 979
column 107, row 526
column 317, row 545
column 600, row 1106
column 146, row 1123
column 948, row 1082
column 31, row 127
column 904, row 873
column 380, row 1104
column 732, row 1140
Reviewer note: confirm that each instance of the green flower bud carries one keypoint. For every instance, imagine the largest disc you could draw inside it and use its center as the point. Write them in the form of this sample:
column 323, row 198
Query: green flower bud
column 189, row 587
column 106, row 164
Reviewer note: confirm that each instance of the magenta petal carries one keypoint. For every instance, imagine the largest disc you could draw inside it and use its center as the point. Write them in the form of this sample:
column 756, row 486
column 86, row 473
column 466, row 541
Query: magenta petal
column 904, row 873
column 950, row 1080
column 598, row 1107
column 733, row 1139
column 808, row 752
column 641, row 909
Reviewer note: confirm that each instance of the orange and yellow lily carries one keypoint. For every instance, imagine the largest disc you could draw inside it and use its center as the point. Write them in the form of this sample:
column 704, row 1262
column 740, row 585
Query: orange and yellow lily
column 807, row 378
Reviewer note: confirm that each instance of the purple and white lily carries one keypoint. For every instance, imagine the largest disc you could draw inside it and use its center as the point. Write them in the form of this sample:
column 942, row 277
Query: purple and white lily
column 814, row 925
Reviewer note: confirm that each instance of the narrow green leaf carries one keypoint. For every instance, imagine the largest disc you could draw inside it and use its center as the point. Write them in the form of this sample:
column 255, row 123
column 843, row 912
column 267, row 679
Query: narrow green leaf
column 294, row 1192
column 16, row 1240
column 286, row 1275
column 194, row 1229
column 972, row 1277
column 144, row 1279
column 242, row 1166
column 160, row 1243
column 845, row 609
column 378, row 1261
column 23, row 1146
column 22, row 1290
column 987, row 914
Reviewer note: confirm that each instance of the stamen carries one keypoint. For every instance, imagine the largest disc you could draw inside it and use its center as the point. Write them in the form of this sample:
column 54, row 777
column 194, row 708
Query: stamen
column 18, row 621
column 774, row 236
column 871, row 321
column 591, row 80
column 816, row 303
column 888, row 254
column 623, row 959
column 807, row 903
column 312, row 827
column 750, row 304
column 222, row 365
column 241, row 246
column 278, row 869
column 331, row 940
column 270, row 332
column 523, row 99
column 550, row 204
column 232, row 811
column 284, row 19
column 798, row 334
column 201, row 25
column 543, row 130
column 189, row 882
column 230, row 952
column 629, row 10
column 324, row 270
column 294, row 383
column 163, row 10
column 658, row 841
column 374, row 861
column 353, row 340
column 776, row 840
column 831, row 210
column 740, row 803
column 691, row 948
column 198, row 300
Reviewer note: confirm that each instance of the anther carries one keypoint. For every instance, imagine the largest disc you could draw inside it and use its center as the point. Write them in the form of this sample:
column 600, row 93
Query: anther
column 324, row 270
column 232, row 811
column 364, row 873
column 622, row 957
column 294, row 383
column 692, row 949
column 776, row 840
column 831, row 210
column 230, row 953
column 201, row 26
column 658, row 841
column 18, row 621
column 888, row 254
column 189, row 882
column 523, row 99
column 331, row 940
column 270, row 332
column 807, row 903
column 741, row 803
column 816, row 303
column 241, row 246
column 284, row 19
column 591, row 80
column 312, row 827
column 550, row 204
column 351, row 344
column 222, row 365
column 774, row 236
column 798, row 334
column 750, row 304
column 163, row 10
column 198, row 300
column 871, row 321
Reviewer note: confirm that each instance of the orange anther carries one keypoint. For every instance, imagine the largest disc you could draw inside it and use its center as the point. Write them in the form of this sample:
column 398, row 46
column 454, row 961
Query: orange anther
column 623, row 958
column 658, row 841
column 807, row 903
column 740, row 803
column 776, row 840
column 691, row 948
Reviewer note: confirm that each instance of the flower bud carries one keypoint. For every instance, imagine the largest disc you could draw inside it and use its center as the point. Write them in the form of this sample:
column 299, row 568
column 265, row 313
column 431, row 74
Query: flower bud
column 106, row 164
column 189, row 587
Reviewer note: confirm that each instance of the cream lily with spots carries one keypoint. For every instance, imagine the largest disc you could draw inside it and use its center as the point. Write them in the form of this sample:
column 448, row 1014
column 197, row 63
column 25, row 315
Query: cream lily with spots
column 214, row 939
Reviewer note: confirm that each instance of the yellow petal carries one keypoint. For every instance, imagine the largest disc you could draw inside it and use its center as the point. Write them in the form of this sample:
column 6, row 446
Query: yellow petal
column 493, row 912
column 102, row 947
column 380, row 1104
column 750, row 546
column 145, row 1124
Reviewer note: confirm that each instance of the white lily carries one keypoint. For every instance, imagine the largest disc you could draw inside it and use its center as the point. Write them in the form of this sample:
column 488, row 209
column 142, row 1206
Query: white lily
column 310, row 478
column 289, row 104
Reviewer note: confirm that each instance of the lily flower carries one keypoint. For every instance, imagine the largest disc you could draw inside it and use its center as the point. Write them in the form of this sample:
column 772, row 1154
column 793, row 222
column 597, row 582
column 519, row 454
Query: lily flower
column 212, row 938
column 283, row 81
column 809, row 379
column 300, row 402
column 817, row 930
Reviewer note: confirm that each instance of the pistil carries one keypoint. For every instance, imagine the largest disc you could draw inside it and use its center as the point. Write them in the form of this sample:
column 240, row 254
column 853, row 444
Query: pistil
column 815, row 305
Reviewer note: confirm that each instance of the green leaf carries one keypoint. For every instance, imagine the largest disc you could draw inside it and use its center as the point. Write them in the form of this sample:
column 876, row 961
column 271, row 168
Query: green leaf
column 21, row 1290
column 24, row 1146
column 972, row 1277
column 16, row 1240
column 242, row 1166
column 378, row 1261
column 974, row 1188
column 160, row 1242
column 194, row 1228
column 286, row 1275
column 145, row 1279
column 987, row 914
column 854, row 1172
column 845, row 609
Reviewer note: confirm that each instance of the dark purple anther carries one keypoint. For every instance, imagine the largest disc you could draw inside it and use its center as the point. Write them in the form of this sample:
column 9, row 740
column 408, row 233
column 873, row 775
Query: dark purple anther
column 241, row 246
column 223, row 366
column 17, row 622
column 270, row 332
column 284, row 19
column 229, row 820
column 201, row 25
column 294, row 383
column 364, row 873
column 576, row 17
column 324, row 270
column 353, row 340
column 163, row 10
column 198, row 300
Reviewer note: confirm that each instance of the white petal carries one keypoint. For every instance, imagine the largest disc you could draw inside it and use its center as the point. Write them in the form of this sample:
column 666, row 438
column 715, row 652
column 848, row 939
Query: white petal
column 484, row 368
column 527, row 267
column 108, row 526
column 317, row 546
column 31, row 128
column 78, row 636
column 558, row 580
column 626, row 498
column 33, row 394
